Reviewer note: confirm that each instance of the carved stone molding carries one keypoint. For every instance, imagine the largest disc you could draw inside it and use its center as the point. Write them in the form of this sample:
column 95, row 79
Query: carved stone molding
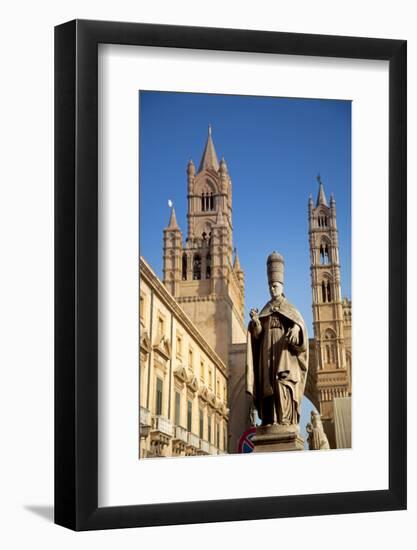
column 145, row 343
column 203, row 393
column 192, row 382
column 180, row 372
column 163, row 348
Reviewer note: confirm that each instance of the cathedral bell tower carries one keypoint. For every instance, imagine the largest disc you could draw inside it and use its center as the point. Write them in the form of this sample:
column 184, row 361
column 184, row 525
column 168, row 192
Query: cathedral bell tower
column 331, row 372
column 201, row 273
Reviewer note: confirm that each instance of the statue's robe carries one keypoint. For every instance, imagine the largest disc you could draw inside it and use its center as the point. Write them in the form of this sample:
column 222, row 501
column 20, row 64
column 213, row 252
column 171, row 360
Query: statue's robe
column 317, row 439
column 274, row 367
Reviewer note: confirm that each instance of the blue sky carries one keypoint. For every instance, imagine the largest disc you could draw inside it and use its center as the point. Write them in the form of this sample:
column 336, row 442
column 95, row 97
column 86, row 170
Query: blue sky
column 274, row 149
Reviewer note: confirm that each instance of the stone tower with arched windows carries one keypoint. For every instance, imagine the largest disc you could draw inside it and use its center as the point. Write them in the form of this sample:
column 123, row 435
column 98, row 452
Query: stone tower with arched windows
column 330, row 376
column 201, row 272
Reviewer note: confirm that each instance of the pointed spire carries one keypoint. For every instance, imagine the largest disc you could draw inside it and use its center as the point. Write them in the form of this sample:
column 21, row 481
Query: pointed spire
column 190, row 168
column 223, row 166
column 173, row 220
column 209, row 158
column 219, row 219
column 321, row 197
column 236, row 264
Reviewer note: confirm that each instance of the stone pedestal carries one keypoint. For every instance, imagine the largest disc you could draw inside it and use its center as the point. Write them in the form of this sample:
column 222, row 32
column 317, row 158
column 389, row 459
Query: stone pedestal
column 269, row 439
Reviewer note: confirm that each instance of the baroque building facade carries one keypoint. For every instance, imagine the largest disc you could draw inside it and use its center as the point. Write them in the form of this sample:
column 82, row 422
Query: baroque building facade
column 183, row 382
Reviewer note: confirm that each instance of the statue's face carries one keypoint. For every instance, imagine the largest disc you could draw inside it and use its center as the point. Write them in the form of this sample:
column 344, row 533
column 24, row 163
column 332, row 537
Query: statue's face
column 276, row 289
column 316, row 420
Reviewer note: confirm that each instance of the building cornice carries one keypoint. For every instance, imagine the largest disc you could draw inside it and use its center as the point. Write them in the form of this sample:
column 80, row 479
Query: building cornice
column 148, row 275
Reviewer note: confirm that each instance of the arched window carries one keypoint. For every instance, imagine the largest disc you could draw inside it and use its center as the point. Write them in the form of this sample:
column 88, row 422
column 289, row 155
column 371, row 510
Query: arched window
column 197, row 267
column 330, row 347
column 324, row 253
column 326, row 290
column 323, row 291
column 207, row 197
column 322, row 220
column 208, row 266
column 329, row 294
column 184, row 267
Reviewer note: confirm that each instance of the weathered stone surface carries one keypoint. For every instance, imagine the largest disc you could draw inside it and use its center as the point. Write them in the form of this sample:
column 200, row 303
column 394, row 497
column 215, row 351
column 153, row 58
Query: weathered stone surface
column 277, row 354
column 277, row 438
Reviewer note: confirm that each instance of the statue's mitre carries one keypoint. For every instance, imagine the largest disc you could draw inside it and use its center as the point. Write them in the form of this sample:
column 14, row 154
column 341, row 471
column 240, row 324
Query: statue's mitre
column 275, row 268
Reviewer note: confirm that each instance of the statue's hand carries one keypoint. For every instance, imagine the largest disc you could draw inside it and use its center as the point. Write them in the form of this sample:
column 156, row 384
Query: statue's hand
column 293, row 335
column 254, row 314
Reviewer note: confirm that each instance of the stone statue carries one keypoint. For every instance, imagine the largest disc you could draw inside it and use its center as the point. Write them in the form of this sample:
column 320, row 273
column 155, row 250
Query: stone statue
column 317, row 439
column 277, row 354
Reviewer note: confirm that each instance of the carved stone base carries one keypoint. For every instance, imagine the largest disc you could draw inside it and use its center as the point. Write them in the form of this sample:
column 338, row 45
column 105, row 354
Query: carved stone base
column 270, row 439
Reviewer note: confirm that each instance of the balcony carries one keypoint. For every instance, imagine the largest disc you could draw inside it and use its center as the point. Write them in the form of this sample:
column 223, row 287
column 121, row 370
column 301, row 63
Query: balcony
column 193, row 445
column 162, row 425
column 144, row 422
column 204, row 447
column 161, row 434
column 213, row 450
column 180, row 440
column 181, row 434
column 144, row 416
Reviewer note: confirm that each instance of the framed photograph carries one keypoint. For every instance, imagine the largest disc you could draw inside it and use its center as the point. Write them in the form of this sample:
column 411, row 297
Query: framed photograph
column 230, row 275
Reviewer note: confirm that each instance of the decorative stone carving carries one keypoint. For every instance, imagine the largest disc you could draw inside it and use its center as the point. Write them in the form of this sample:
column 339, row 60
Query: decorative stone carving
column 179, row 440
column 317, row 439
column 163, row 348
column 277, row 355
column 277, row 363
column 161, row 434
column 192, row 382
column 203, row 392
column 145, row 343
column 180, row 372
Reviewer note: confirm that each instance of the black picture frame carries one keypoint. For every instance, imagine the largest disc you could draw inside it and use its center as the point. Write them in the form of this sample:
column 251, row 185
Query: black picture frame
column 76, row 273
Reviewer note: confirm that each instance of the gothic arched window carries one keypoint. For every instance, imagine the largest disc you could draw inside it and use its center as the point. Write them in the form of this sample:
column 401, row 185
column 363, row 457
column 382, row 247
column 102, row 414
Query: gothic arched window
column 330, row 347
column 208, row 266
column 329, row 293
column 184, row 267
column 323, row 291
column 322, row 220
column 197, row 267
column 207, row 197
column 324, row 253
